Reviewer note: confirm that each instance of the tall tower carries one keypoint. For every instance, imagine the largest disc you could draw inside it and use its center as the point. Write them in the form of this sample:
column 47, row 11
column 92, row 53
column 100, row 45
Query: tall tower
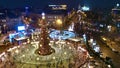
column 26, row 11
column 79, row 7
column 44, row 47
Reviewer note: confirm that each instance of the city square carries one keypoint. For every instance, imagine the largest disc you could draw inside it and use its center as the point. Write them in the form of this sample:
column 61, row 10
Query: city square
column 59, row 34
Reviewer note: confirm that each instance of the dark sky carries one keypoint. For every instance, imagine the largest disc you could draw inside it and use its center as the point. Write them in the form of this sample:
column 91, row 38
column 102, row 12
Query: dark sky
column 70, row 3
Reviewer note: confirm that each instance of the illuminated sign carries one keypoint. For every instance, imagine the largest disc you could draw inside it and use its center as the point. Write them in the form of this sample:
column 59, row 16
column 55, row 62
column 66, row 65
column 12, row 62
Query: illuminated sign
column 85, row 8
column 20, row 28
column 58, row 7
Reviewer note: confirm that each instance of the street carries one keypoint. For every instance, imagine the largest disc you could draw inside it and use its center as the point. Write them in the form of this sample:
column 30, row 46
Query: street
column 107, row 52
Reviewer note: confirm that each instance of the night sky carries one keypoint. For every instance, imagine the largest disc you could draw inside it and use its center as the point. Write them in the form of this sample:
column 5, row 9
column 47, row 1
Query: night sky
column 70, row 3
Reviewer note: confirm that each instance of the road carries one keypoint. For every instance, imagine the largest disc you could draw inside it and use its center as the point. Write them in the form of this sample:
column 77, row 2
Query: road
column 107, row 52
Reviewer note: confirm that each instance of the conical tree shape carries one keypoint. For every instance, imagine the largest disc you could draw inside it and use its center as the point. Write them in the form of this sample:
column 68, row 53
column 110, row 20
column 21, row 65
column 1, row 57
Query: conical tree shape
column 44, row 48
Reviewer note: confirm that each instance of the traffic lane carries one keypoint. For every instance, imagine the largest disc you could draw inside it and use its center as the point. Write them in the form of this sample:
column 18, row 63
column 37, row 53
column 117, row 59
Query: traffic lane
column 107, row 52
column 113, row 44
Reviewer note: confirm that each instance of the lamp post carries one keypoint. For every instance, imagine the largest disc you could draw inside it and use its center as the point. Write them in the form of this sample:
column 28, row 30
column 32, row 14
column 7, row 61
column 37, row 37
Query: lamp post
column 59, row 25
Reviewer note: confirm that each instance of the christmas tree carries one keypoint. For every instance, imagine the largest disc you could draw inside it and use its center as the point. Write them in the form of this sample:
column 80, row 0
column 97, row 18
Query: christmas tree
column 44, row 47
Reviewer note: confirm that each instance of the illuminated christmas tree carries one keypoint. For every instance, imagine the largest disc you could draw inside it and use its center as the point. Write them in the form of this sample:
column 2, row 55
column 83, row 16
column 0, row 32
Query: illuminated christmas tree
column 44, row 47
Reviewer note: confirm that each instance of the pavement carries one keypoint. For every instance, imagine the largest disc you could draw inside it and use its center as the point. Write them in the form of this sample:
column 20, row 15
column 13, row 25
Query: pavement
column 97, row 64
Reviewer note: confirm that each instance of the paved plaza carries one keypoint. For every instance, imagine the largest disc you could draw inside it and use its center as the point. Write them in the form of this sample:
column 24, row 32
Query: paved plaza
column 24, row 56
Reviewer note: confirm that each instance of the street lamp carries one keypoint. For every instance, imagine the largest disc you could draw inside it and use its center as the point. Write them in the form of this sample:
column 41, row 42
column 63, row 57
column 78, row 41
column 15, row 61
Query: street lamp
column 59, row 21
column 59, row 24
column 43, row 15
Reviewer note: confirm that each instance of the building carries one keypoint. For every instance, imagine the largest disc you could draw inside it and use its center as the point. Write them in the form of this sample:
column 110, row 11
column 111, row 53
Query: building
column 116, row 13
column 58, row 7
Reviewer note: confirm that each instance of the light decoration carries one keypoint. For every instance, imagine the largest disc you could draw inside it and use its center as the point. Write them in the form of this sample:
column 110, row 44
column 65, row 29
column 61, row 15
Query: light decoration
column 43, row 15
column 109, row 27
column 23, row 55
column 117, row 5
column 71, row 28
column 85, row 8
column 44, row 47
column 65, row 53
column 91, row 40
column 38, row 58
column 53, row 57
column 70, row 48
column 97, row 49
column 16, row 51
column 21, row 28
column 84, row 37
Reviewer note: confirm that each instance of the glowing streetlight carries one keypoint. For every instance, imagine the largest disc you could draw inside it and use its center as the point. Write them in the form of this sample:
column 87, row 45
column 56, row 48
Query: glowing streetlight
column 59, row 22
column 43, row 15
